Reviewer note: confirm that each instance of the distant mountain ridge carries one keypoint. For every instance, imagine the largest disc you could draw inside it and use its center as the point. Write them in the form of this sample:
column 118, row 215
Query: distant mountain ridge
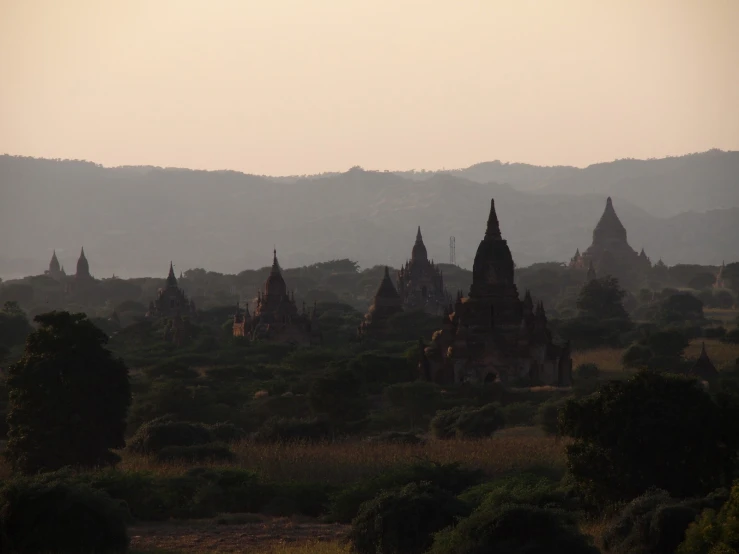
column 133, row 220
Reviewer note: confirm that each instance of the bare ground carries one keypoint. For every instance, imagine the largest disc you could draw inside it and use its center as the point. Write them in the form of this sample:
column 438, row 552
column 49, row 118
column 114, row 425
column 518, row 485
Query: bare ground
column 250, row 534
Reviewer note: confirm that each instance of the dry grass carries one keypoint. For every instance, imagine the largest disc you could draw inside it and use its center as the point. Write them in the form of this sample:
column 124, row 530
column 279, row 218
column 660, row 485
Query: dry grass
column 608, row 360
column 725, row 316
column 723, row 355
column 269, row 536
column 346, row 462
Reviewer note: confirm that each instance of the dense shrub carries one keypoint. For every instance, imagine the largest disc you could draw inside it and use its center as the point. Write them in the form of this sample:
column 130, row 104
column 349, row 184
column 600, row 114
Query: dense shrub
column 278, row 429
column 586, row 371
column 522, row 488
column 732, row 337
column 714, row 332
column 450, row 477
column 518, row 413
column 547, row 416
column 467, row 422
column 716, row 531
column 194, row 453
column 512, row 529
column 655, row 523
column 226, row 432
column 161, row 433
column 42, row 516
column 403, row 521
column 622, row 433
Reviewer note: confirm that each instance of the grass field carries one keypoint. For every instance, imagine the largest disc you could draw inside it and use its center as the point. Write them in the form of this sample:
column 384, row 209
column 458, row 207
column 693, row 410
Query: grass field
column 512, row 449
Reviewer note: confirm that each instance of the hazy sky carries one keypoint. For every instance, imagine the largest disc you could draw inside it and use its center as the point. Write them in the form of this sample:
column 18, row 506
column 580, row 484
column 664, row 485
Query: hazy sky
column 303, row 86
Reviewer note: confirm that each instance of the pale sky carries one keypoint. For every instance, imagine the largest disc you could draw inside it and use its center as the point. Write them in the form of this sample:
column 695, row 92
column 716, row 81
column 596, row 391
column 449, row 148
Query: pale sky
column 302, row 86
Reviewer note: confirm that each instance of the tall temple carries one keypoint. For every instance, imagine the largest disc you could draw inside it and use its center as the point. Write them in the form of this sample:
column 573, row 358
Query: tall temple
column 276, row 317
column 420, row 281
column 491, row 335
column 83, row 269
column 171, row 300
column 610, row 253
column 55, row 271
column 387, row 303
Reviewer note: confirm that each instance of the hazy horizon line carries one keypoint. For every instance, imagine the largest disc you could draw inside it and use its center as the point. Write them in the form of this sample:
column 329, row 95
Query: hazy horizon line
column 300, row 175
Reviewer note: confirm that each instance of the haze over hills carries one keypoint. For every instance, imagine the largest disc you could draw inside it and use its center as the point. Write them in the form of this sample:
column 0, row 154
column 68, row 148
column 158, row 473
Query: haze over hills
column 133, row 220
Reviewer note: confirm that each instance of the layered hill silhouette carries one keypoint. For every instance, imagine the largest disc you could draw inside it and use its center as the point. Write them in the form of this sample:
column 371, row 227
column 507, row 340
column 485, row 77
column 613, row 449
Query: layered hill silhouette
column 133, row 220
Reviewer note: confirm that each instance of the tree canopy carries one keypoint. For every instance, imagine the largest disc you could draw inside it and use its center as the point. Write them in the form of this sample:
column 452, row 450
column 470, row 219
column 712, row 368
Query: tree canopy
column 68, row 397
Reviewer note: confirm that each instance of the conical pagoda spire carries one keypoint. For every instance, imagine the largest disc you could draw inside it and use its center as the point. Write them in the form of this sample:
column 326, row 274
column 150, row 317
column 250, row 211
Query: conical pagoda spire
column 493, row 228
column 275, row 285
column 419, row 249
column 609, row 226
column 528, row 302
column 704, row 368
column 54, row 266
column 386, row 288
column 83, row 267
column 171, row 279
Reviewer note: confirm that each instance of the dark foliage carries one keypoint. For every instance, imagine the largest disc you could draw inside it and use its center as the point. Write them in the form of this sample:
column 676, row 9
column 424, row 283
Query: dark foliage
column 338, row 397
column 161, row 433
column 467, row 422
column 649, row 431
column 279, row 429
column 42, row 517
column 403, row 521
column 655, row 523
column 451, row 477
column 586, row 371
column 602, row 299
column 512, row 529
column 68, row 397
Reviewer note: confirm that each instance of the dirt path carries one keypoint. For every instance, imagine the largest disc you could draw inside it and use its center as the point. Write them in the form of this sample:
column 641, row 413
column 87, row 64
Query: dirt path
column 238, row 535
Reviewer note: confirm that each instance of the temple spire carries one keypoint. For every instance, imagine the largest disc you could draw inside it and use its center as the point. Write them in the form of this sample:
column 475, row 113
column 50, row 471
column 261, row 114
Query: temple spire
column 418, row 234
column 171, row 279
column 493, row 228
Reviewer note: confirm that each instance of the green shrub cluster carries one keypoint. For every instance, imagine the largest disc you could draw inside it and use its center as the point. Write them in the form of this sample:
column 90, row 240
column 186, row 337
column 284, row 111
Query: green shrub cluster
column 467, row 422
column 41, row 515
column 451, row 477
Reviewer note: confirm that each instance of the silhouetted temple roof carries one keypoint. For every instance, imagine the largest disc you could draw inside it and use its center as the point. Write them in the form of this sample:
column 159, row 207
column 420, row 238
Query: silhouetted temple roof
column 386, row 288
column 609, row 225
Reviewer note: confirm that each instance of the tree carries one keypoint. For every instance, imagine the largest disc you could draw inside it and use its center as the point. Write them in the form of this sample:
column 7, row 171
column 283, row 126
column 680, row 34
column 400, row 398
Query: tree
column 702, row 280
column 680, row 307
column 603, row 299
column 650, row 431
column 416, row 399
column 715, row 532
column 338, row 396
column 512, row 529
column 730, row 275
column 403, row 521
column 68, row 397
column 14, row 327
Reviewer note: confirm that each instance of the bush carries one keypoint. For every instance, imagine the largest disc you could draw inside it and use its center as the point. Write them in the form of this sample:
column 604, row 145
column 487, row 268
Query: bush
column 518, row 413
column 41, row 516
column 732, row 337
column 587, row 371
column 403, row 521
column 714, row 332
column 278, row 429
column 395, row 437
column 523, row 488
column 512, row 529
column 467, row 422
column 716, row 531
column 161, row 433
column 547, row 417
column 211, row 452
column 654, row 523
column 226, row 432
column 450, row 477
